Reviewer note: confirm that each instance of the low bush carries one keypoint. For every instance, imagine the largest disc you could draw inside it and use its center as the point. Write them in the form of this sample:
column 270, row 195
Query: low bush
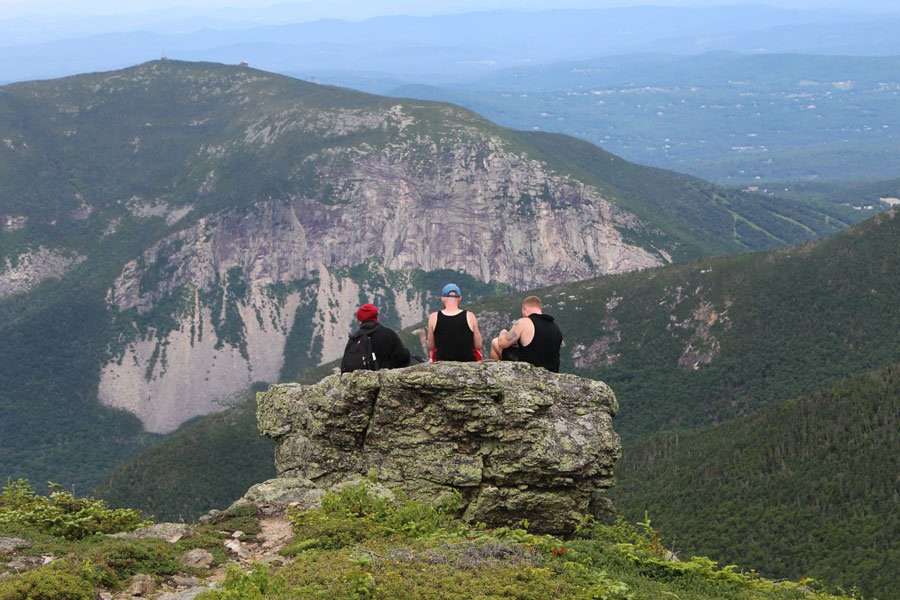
column 258, row 584
column 48, row 583
column 62, row 514
column 114, row 561
column 353, row 515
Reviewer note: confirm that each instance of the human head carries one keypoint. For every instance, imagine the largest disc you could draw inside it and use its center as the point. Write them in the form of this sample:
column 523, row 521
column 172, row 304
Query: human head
column 367, row 312
column 451, row 295
column 532, row 305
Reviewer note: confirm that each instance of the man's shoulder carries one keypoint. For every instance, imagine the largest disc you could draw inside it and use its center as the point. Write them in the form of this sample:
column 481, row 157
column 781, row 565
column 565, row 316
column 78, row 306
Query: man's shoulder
column 386, row 332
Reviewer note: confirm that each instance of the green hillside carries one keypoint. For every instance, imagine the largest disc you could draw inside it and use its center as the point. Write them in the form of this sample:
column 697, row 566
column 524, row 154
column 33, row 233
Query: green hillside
column 212, row 470
column 710, row 217
column 98, row 168
column 694, row 344
column 74, row 139
column 357, row 545
column 805, row 487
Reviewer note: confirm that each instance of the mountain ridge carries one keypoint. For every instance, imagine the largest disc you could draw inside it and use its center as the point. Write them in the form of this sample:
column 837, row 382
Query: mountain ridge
column 203, row 225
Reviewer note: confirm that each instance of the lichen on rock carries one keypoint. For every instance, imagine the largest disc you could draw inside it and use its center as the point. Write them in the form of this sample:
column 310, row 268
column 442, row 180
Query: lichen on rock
column 515, row 441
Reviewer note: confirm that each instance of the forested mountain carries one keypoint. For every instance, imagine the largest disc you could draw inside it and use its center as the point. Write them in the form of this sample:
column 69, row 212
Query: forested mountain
column 805, row 487
column 172, row 233
column 698, row 343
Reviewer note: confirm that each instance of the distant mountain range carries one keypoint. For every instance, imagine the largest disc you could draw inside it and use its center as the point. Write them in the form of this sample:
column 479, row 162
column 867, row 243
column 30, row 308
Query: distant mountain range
column 723, row 93
column 734, row 118
column 452, row 47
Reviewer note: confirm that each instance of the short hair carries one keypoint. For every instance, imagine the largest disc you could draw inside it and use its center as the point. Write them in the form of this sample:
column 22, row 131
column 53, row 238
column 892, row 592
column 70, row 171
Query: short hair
column 532, row 302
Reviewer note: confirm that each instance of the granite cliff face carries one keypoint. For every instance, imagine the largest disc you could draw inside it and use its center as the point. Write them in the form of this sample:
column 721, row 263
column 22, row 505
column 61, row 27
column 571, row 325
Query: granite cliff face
column 354, row 221
column 517, row 442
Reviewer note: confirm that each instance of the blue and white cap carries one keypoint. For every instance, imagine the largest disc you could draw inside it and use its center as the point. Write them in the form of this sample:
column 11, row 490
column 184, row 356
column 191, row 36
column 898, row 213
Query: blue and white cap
column 451, row 290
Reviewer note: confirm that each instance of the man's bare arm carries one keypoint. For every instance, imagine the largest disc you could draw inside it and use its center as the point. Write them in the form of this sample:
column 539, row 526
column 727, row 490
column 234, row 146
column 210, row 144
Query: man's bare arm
column 509, row 338
column 473, row 323
column 432, row 321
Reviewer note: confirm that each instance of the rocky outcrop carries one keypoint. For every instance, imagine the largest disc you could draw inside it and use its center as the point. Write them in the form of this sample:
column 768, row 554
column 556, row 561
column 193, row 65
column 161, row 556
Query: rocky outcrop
column 33, row 267
column 516, row 442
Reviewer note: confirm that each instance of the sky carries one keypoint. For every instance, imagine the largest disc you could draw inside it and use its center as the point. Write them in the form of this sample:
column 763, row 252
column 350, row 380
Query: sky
column 366, row 8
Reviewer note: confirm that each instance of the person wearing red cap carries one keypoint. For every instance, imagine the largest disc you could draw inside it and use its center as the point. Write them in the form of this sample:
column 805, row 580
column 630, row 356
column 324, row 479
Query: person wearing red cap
column 373, row 346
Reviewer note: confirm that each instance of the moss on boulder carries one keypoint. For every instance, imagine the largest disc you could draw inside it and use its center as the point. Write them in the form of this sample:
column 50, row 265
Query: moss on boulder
column 516, row 442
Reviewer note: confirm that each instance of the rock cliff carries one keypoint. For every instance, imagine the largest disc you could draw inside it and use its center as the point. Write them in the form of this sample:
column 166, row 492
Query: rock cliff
column 388, row 190
column 515, row 441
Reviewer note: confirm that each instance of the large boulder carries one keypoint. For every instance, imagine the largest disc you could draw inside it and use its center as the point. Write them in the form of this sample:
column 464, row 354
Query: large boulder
column 517, row 442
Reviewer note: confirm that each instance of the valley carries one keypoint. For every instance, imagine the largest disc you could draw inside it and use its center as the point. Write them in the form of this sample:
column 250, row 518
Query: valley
column 736, row 119
column 175, row 236
column 195, row 228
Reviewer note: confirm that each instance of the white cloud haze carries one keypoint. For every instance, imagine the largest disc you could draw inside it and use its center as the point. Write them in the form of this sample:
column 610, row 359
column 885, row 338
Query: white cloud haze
column 362, row 8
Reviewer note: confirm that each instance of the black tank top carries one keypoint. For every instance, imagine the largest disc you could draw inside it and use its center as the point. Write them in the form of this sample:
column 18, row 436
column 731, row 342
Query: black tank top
column 543, row 351
column 453, row 340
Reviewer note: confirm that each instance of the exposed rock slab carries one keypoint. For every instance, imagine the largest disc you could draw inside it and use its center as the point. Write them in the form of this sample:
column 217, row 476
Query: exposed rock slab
column 198, row 558
column 168, row 532
column 516, row 441
column 34, row 267
column 275, row 495
column 8, row 545
column 188, row 594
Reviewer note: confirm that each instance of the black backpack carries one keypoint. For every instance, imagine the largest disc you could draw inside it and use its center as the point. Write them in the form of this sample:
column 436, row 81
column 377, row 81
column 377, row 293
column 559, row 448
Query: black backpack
column 359, row 355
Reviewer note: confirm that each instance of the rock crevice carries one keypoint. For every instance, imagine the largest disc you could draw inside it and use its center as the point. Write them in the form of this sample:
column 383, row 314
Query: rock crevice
column 515, row 441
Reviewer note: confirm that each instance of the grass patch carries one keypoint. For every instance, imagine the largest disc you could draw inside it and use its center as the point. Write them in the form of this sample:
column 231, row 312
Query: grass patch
column 91, row 561
column 360, row 545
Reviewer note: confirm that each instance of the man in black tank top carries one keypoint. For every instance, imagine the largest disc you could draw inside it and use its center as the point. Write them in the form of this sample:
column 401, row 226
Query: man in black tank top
column 535, row 338
column 453, row 332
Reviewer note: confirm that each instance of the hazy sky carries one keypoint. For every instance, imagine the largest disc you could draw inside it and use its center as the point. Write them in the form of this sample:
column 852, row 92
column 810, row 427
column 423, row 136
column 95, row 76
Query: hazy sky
column 362, row 8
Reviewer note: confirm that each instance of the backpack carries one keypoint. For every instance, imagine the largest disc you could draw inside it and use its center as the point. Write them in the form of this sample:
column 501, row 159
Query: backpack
column 360, row 353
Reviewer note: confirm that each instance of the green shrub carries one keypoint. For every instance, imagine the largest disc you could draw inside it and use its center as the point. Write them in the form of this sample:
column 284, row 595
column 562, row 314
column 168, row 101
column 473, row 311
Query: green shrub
column 258, row 584
column 355, row 514
column 47, row 583
column 114, row 561
column 62, row 514
column 362, row 546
